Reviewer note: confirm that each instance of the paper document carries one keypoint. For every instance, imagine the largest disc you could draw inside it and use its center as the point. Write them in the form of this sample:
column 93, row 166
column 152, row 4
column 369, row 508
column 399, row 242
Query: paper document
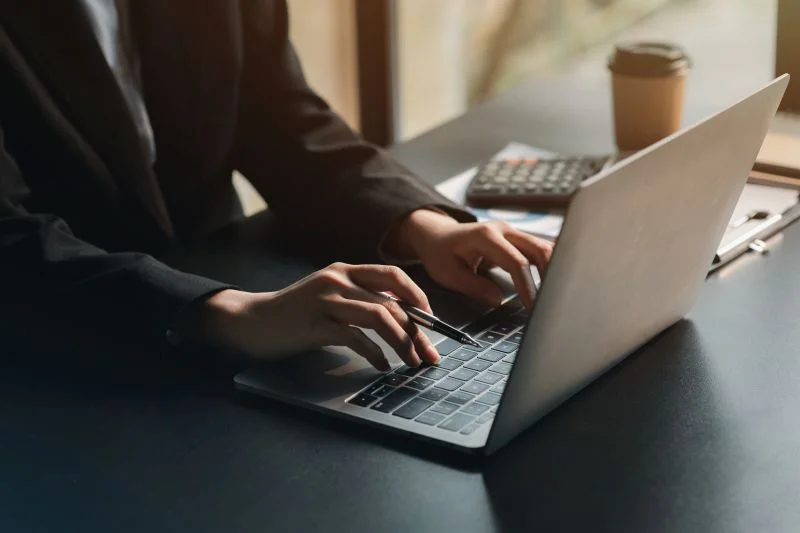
column 547, row 224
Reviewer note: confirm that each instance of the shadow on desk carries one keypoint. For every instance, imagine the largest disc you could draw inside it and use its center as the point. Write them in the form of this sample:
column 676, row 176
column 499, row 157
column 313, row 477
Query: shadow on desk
column 611, row 457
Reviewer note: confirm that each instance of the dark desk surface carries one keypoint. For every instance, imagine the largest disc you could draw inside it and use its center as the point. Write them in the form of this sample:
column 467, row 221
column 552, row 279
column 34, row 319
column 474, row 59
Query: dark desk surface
column 697, row 432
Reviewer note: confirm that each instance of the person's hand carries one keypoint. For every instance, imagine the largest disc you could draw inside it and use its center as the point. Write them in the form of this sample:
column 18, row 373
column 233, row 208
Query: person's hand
column 455, row 255
column 323, row 309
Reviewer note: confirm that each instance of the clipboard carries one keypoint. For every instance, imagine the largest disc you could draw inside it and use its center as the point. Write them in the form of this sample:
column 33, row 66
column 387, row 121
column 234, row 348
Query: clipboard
column 752, row 238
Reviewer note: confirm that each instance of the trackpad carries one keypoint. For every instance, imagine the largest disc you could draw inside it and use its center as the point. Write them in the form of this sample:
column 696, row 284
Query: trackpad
column 318, row 376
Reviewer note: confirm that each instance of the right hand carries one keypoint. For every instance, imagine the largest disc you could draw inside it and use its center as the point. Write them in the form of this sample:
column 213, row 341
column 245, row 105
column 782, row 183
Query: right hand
column 323, row 309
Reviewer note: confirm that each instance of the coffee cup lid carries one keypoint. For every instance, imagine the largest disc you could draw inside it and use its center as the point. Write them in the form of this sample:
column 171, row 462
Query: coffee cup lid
column 648, row 59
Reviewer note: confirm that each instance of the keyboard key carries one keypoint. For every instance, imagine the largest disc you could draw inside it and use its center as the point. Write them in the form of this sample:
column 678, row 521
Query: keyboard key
column 505, row 347
column 469, row 429
column 420, row 383
column 493, row 410
column 456, row 422
column 449, row 384
column 490, row 336
column 445, row 408
column 435, row 373
column 502, row 368
column 489, row 377
column 471, row 409
column 475, row 387
column 490, row 398
column 393, row 380
column 483, row 346
column 485, row 418
column 372, row 388
column 463, row 354
column 447, row 346
column 499, row 388
column 394, row 400
column 435, row 394
column 383, row 391
column 362, row 400
column 430, row 419
column 409, row 371
column 493, row 356
column 479, row 365
column 520, row 318
column 510, row 358
column 464, row 374
column 413, row 408
column 504, row 328
column 516, row 337
column 449, row 363
column 460, row 397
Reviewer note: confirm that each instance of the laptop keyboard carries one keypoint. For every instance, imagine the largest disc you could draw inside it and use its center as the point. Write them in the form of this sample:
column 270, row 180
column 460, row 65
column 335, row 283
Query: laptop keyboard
column 461, row 392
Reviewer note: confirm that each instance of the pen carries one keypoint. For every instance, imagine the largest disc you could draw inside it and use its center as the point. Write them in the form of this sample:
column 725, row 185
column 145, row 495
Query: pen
column 418, row 316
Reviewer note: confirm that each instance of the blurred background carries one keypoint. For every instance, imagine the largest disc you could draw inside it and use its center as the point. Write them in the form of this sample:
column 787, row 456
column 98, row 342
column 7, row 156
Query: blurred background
column 396, row 68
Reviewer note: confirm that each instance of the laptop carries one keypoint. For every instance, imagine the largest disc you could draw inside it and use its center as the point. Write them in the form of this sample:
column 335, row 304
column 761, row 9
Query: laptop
column 632, row 255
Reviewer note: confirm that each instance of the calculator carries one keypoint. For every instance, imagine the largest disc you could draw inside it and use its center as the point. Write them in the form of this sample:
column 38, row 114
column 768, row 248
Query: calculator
column 532, row 183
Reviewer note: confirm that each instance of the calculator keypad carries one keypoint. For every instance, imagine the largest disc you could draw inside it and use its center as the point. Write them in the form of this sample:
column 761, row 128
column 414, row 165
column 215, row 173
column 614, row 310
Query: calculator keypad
column 523, row 181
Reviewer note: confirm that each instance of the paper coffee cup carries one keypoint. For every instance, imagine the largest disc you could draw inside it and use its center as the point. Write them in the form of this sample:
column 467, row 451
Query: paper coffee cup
column 648, row 84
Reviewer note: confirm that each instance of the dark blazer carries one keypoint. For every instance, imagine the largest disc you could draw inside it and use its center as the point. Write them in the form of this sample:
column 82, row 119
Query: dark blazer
column 80, row 206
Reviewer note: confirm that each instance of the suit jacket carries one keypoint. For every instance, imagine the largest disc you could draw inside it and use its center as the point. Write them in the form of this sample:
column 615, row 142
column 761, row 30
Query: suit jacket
column 81, row 208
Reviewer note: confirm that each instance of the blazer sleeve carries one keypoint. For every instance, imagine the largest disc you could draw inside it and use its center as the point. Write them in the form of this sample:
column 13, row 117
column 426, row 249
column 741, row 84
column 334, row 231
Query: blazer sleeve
column 314, row 171
column 51, row 279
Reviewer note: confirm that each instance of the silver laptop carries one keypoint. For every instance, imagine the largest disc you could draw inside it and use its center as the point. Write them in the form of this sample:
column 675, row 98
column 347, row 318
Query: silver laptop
column 632, row 255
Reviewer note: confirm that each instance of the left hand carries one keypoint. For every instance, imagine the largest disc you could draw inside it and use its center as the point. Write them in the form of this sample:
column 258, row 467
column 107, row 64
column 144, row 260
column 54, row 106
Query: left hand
column 455, row 254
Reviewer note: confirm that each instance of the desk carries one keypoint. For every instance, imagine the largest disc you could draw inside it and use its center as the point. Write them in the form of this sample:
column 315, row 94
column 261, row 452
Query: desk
column 696, row 432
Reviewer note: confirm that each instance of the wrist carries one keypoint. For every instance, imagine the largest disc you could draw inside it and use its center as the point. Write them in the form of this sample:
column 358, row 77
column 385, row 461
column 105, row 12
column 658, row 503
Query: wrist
column 411, row 234
column 218, row 316
column 207, row 319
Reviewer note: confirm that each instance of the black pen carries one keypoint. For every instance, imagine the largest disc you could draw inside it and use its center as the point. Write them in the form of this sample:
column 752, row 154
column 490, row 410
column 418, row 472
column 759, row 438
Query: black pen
column 418, row 316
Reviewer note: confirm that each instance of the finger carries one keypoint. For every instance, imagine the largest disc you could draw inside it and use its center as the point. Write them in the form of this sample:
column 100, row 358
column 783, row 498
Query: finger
column 485, row 267
column 421, row 342
column 538, row 251
column 461, row 279
column 389, row 278
column 376, row 316
column 501, row 252
column 357, row 340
